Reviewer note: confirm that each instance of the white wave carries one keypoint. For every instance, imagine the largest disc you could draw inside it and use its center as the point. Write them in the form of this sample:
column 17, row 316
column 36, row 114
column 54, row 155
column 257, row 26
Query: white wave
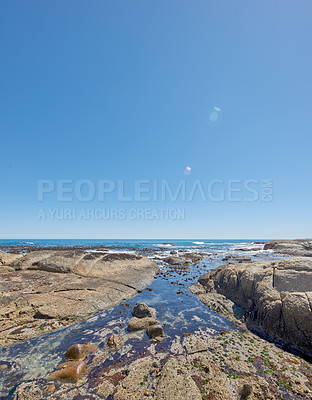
column 164, row 245
column 198, row 242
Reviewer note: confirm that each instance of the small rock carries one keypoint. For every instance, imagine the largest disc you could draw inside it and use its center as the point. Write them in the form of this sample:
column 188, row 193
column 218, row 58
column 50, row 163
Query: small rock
column 142, row 310
column 138, row 324
column 75, row 352
column 79, row 351
column 154, row 331
column 115, row 341
column 239, row 259
column 70, row 371
column 173, row 260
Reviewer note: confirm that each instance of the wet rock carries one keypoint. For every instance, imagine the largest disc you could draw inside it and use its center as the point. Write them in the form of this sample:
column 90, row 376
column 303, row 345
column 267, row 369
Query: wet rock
column 28, row 391
column 138, row 324
column 195, row 257
column 249, row 249
column 176, row 382
column 142, row 310
column 115, row 341
column 75, row 352
column 238, row 259
column 154, row 331
column 69, row 371
column 172, row 260
column 79, row 351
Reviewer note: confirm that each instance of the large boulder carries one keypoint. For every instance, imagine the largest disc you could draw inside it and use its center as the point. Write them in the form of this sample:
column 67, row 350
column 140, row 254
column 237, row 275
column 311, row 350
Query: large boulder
column 276, row 297
column 66, row 286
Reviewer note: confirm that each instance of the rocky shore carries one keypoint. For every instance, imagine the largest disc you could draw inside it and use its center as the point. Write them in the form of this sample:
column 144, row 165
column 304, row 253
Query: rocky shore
column 44, row 290
column 297, row 247
column 233, row 365
column 135, row 354
column 274, row 298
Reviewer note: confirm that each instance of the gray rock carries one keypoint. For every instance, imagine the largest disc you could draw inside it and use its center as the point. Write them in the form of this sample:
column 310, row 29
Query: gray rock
column 297, row 247
column 4, row 269
column 195, row 257
column 8, row 258
column 238, row 259
column 154, row 331
column 221, row 305
column 142, row 310
column 139, row 324
column 276, row 297
column 173, row 260
column 197, row 288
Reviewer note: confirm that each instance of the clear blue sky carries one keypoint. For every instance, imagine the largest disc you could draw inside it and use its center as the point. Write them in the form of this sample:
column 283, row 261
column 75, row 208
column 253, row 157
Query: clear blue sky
column 124, row 90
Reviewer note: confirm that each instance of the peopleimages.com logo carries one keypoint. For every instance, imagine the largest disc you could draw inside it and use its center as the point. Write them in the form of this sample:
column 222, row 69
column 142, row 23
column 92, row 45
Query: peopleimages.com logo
column 144, row 190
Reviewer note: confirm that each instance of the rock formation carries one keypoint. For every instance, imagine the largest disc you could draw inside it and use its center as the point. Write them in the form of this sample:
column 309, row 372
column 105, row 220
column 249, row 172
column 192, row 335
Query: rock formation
column 297, row 247
column 61, row 287
column 276, row 297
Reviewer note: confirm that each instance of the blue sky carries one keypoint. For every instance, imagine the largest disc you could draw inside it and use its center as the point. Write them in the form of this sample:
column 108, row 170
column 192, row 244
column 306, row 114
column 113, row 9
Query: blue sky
column 124, row 90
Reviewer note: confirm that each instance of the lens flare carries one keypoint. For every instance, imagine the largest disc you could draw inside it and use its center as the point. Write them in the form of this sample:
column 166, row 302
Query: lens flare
column 214, row 114
column 187, row 170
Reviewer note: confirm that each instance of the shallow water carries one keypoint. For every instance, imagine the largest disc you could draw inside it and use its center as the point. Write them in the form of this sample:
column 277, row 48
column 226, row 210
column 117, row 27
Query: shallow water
column 180, row 314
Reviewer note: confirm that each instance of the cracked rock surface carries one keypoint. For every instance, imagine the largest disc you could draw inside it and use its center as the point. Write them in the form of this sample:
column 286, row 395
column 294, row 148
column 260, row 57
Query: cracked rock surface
column 63, row 287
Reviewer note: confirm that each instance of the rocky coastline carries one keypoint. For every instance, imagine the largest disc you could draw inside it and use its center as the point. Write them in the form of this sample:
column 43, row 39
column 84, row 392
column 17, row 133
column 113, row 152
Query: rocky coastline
column 46, row 289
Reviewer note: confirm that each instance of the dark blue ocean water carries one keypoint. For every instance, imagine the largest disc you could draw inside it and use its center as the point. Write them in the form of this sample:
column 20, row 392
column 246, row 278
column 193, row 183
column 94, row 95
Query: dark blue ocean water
column 140, row 243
